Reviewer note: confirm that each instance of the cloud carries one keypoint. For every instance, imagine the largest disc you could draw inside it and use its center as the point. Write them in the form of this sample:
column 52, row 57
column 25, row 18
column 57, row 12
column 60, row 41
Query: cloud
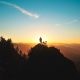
column 68, row 23
column 71, row 22
column 20, row 9
column 57, row 24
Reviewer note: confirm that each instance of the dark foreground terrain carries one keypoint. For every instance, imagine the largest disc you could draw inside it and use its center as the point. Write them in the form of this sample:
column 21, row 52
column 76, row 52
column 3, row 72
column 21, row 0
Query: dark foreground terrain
column 41, row 61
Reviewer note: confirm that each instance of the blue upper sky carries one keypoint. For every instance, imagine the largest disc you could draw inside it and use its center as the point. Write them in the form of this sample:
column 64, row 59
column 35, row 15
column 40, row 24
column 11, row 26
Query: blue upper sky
column 57, row 21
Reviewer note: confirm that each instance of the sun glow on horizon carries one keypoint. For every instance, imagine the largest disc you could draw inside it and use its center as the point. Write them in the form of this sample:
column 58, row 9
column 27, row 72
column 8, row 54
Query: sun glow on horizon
column 34, row 39
column 43, row 36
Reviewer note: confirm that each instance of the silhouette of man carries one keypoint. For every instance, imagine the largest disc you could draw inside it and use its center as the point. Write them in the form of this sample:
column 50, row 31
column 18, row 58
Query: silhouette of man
column 40, row 39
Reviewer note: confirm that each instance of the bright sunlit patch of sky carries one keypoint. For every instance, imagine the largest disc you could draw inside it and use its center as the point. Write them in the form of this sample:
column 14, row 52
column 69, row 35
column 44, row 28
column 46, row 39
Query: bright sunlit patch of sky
column 57, row 21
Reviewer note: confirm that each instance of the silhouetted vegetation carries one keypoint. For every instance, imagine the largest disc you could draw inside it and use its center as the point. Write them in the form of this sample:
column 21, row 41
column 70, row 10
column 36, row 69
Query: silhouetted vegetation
column 11, row 61
column 42, row 60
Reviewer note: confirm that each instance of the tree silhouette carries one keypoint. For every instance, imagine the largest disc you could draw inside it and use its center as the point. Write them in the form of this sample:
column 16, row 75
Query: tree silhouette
column 11, row 62
column 40, row 39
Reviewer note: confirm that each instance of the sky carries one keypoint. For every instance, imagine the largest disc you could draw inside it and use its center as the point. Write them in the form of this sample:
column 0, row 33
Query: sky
column 56, row 21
